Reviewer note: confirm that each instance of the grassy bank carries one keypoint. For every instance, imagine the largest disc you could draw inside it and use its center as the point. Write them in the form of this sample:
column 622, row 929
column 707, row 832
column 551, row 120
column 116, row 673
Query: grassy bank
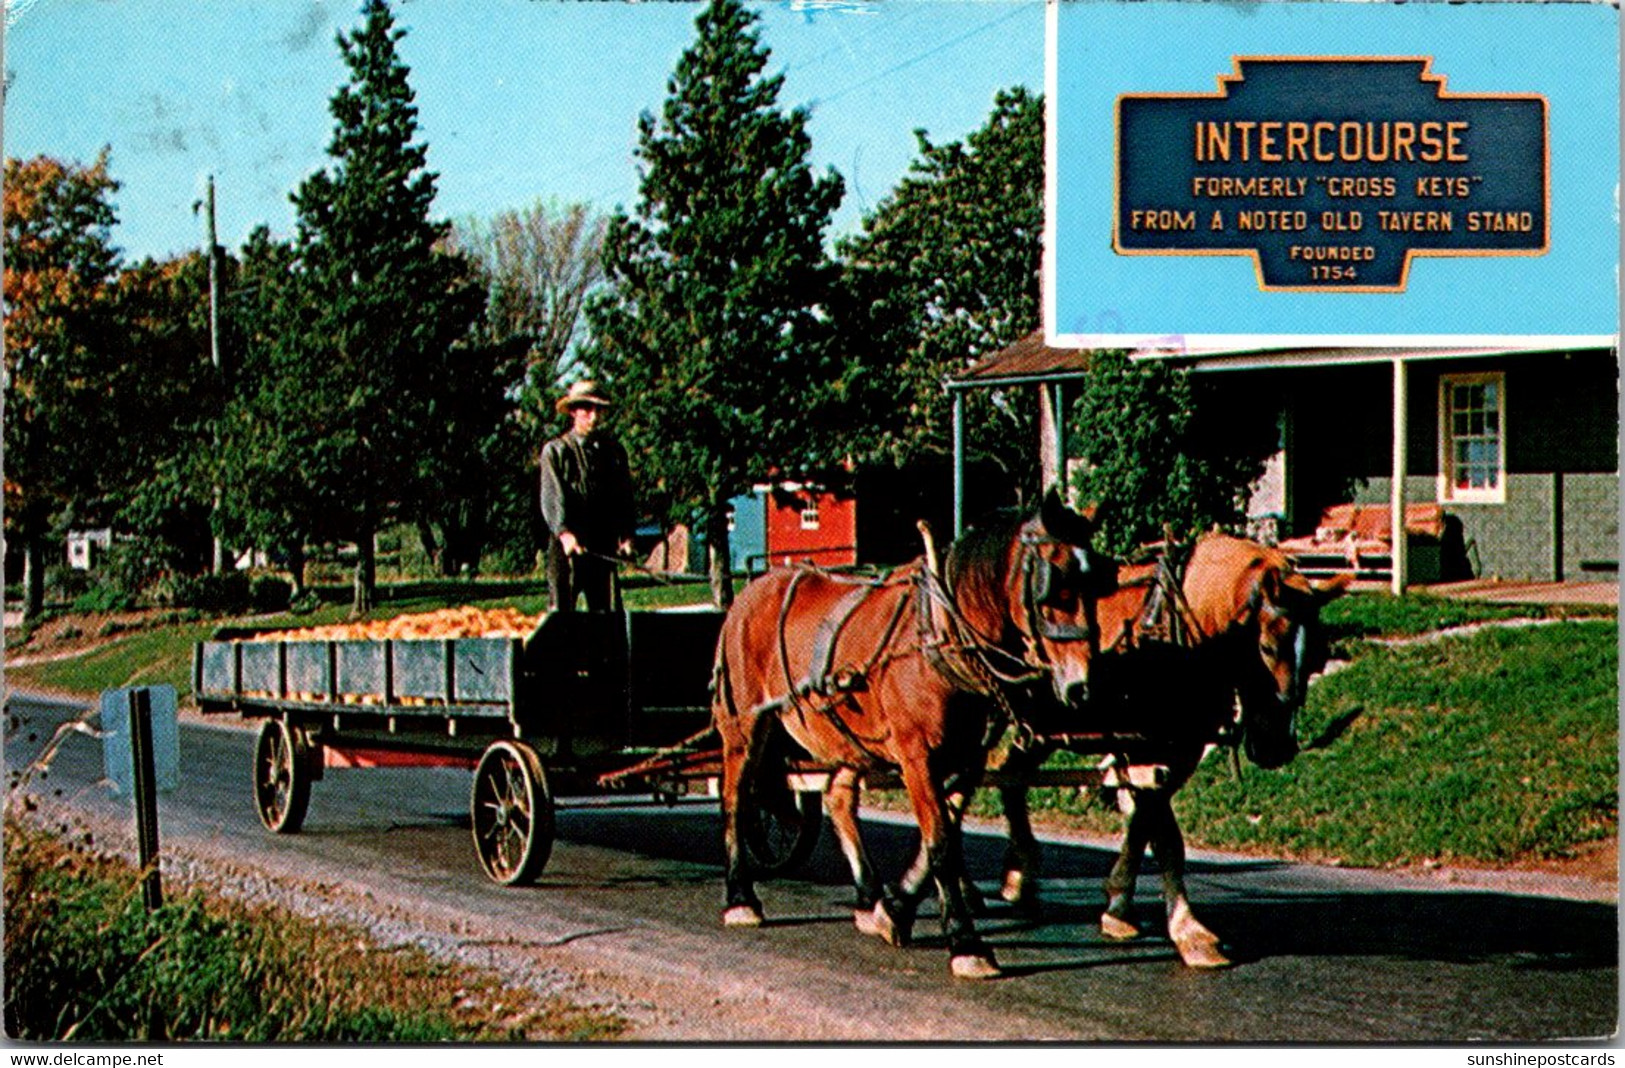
column 86, row 962
column 1489, row 748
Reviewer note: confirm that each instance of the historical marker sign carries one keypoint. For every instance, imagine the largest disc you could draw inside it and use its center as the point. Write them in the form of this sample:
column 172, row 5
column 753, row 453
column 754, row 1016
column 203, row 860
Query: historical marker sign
column 1332, row 173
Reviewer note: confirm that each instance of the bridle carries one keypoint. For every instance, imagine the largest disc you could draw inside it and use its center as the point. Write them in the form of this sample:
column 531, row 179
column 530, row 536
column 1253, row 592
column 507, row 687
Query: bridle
column 1036, row 577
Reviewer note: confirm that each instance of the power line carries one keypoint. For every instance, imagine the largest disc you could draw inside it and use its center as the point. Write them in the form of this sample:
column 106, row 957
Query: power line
column 1019, row 9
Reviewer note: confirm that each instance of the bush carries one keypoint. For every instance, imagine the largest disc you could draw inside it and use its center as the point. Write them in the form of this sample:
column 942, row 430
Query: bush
column 104, row 598
column 226, row 593
column 267, row 593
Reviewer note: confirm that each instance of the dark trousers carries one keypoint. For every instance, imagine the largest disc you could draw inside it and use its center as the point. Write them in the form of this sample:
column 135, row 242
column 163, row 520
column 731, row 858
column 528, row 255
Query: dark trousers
column 569, row 576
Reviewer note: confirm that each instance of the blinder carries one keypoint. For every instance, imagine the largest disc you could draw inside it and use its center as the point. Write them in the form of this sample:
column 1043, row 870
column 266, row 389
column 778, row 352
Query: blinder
column 1048, row 585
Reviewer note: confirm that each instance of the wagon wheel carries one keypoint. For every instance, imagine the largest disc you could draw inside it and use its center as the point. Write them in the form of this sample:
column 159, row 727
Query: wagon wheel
column 512, row 813
column 781, row 828
column 281, row 777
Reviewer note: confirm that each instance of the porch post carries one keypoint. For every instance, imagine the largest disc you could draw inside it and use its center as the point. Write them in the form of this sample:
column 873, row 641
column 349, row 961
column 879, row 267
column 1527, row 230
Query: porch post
column 959, row 462
column 1401, row 466
column 1049, row 417
column 1058, row 401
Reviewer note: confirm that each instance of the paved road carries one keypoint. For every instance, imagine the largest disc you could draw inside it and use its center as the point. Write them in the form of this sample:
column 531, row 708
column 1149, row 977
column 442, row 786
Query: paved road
column 631, row 898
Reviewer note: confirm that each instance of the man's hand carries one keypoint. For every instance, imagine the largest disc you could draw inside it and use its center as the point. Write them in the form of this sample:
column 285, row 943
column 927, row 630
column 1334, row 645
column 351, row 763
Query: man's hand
column 568, row 542
column 626, row 550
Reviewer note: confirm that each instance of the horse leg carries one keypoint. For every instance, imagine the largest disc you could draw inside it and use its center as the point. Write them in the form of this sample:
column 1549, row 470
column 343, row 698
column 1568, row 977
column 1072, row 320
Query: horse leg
column 1116, row 922
column 1198, row 947
column 841, row 802
column 957, row 802
column 743, row 740
column 1023, row 856
column 940, row 859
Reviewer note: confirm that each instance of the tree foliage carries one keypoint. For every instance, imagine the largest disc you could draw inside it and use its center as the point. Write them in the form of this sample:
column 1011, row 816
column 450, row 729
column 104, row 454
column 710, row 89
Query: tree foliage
column 537, row 266
column 1155, row 457
column 946, row 271
column 164, row 398
column 266, row 500
column 60, row 272
column 717, row 320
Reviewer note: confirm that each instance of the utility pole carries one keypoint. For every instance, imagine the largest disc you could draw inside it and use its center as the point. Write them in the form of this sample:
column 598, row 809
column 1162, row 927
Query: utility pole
column 219, row 564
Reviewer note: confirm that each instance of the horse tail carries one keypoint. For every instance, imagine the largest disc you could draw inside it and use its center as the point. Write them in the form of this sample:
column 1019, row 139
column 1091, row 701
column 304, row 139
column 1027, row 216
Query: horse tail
column 722, row 695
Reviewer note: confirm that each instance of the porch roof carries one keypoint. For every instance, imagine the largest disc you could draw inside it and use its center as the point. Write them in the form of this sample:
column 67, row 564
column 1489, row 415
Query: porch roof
column 1030, row 361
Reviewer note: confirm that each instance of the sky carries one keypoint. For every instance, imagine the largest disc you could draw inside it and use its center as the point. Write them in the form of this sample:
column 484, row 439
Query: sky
column 519, row 100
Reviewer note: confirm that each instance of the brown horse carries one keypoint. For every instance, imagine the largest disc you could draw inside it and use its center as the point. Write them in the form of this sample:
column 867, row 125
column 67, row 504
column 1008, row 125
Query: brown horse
column 1177, row 661
column 896, row 673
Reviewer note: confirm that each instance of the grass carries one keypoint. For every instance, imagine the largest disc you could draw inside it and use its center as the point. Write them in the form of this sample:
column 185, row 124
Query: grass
column 1492, row 747
column 86, row 962
column 1367, row 615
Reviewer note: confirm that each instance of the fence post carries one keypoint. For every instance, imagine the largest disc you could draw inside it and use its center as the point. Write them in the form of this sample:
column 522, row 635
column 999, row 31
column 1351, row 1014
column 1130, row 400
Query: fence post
column 145, row 782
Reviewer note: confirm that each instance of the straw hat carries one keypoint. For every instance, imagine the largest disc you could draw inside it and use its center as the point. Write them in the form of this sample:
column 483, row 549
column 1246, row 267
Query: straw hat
column 584, row 392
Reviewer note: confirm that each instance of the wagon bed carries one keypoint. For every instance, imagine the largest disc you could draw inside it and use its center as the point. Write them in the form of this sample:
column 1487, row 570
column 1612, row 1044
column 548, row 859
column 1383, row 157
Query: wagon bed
column 586, row 704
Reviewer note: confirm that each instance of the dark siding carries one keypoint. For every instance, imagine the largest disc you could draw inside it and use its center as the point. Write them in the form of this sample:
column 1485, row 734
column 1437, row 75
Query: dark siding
column 1562, row 419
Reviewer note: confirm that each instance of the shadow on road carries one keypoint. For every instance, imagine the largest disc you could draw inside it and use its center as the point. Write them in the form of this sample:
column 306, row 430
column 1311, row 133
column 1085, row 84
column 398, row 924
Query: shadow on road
column 1261, row 908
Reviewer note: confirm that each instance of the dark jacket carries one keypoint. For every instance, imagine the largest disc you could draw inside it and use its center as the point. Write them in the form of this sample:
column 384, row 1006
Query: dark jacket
column 587, row 490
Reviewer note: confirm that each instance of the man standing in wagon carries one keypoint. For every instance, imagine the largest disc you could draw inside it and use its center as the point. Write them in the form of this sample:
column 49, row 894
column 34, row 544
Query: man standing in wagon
column 587, row 503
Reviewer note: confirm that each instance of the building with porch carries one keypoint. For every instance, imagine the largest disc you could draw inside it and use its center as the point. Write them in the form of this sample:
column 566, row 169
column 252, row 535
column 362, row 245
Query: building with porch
column 1517, row 447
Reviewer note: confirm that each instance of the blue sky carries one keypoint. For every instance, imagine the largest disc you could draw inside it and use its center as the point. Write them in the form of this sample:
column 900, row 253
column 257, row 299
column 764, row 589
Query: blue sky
column 518, row 99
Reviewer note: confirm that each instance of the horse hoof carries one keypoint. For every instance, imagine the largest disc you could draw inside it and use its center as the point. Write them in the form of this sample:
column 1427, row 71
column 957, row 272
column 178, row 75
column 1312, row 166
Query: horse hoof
column 878, row 923
column 1201, row 953
column 974, row 966
column 1117, row 930
column 742, row 916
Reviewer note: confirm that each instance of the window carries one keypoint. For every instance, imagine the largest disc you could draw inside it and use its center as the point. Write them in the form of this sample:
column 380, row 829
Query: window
column 1472, row 438
column 809, row 516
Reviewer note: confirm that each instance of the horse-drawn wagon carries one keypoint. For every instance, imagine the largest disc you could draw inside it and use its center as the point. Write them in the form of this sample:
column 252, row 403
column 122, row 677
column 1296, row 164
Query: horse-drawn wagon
column 815, row 683
column 565, row 705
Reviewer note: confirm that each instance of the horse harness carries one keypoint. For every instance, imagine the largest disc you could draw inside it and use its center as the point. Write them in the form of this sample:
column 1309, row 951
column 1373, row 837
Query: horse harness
column 1165, row 616
column 967, row 659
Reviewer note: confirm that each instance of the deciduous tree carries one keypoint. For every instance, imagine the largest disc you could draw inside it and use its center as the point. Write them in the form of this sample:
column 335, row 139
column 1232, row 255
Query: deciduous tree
column 60, row 268
column 1157, row 457
column 946, row 271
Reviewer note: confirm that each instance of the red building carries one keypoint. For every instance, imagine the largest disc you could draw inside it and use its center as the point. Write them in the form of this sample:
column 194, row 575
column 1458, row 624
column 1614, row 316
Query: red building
column 809, row 524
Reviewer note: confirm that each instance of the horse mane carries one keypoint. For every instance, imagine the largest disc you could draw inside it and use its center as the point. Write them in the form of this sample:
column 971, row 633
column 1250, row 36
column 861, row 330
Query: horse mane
column 977, row 565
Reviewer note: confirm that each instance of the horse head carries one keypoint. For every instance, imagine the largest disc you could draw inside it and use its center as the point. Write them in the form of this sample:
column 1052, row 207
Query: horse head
column 1057, row 580
column 1254, row 592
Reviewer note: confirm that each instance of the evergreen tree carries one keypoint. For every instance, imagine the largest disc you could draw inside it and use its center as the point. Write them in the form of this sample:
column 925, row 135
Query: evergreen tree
column 715, row 331
column 380, row 309
column 266, row 499
column 947, row 271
